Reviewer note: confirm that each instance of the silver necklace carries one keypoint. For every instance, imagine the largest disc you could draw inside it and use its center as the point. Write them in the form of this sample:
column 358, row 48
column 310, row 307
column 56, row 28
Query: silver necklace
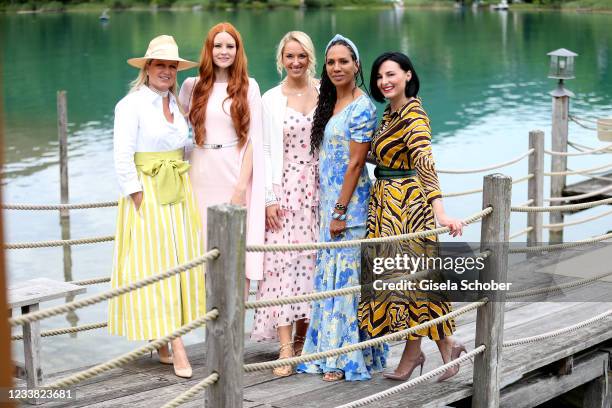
column 163, row 94
column 299, row 93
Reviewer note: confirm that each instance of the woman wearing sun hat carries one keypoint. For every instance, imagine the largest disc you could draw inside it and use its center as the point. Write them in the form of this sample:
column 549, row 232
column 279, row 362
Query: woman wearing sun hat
column 158, row 224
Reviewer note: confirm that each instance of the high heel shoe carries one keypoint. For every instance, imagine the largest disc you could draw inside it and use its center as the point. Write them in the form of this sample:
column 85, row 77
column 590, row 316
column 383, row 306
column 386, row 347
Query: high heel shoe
column 298, row 344
column 284, row 371
column 456, row 351
column 186, row 372
column 162, row 359
column 420, row 361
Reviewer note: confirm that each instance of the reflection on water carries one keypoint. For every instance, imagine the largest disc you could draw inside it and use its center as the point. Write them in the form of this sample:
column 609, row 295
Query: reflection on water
column 483, row 83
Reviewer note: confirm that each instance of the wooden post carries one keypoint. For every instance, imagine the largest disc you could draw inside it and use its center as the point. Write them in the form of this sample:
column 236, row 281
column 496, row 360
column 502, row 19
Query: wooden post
column 6, row 368
column 497, row 193
column 225, row 280
column 597, row 392
column 31, row 352
column 535, row 186
column 560, row 117
column 62, row 131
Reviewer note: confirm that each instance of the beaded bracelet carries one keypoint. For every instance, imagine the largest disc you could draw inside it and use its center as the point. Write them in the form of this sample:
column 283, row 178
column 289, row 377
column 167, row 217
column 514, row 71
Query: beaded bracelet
column 338, row 216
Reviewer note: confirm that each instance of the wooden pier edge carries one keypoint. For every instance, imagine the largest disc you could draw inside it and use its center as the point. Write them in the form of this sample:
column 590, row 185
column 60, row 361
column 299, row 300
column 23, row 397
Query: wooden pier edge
column 225, row 291
column 497, row 192
column 535, row 186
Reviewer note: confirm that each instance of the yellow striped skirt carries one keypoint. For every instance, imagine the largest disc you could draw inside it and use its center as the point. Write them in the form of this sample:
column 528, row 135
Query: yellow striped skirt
column 148, row 242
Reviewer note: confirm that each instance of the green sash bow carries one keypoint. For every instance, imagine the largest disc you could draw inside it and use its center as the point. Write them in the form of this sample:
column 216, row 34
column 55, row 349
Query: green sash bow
column 167, row 170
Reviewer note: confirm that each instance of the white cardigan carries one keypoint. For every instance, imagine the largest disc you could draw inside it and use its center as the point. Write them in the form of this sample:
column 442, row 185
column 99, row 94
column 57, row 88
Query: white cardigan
column 274, row 106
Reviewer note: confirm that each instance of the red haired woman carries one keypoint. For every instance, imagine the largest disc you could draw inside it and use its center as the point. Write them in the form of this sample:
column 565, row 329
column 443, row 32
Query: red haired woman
column 224, row 107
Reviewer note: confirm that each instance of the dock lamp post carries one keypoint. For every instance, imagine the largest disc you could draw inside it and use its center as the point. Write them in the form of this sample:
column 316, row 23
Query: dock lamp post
column 562, row 67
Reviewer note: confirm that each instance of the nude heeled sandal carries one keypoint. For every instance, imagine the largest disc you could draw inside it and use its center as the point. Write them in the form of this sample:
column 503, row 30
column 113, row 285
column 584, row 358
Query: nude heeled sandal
column 284, row 371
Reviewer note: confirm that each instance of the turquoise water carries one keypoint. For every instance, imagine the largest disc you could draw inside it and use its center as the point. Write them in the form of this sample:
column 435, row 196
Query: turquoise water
column 483, row 83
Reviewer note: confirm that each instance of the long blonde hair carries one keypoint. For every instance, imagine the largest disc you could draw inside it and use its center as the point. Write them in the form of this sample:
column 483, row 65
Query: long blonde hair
column 304, row 40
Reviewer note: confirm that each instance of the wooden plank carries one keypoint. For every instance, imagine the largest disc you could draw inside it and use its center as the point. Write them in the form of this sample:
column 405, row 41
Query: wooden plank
column 40, row 290
column 497, row 193
column 225, row 282
column 541, row 388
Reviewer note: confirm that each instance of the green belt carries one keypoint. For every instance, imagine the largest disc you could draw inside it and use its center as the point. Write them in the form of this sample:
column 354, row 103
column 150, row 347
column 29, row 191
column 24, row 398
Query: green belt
column 386, row 173
column 167, row 170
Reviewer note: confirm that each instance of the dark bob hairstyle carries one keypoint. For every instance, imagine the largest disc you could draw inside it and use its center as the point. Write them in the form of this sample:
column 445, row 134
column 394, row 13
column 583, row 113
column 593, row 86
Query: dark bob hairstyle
column 412, row 86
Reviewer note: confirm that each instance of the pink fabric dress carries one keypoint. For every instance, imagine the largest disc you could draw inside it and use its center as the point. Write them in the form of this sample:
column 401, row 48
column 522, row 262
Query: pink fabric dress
column 214, row 173
column 291, row 273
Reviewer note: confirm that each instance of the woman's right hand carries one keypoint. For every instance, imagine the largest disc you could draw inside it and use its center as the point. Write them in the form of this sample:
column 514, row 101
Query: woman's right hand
column 273, row 218
column 137, row 199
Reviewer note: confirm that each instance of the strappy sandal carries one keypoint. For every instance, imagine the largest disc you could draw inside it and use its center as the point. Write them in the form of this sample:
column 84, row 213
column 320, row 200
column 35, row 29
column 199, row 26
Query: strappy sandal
column 284, row 371
column 298, row 344
column 332, row 376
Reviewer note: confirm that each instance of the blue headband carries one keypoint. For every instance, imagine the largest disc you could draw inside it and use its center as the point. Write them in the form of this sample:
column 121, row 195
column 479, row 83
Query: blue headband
column 343, row 38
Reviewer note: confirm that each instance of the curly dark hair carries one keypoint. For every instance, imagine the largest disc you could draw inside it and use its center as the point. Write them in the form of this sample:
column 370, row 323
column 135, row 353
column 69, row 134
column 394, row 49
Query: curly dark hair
column 327, row 99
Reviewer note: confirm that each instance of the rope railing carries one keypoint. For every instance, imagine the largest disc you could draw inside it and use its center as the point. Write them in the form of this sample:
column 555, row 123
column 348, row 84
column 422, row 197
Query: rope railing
column 357, row 242
column 556, row 247
column 193, row 391
column 558, row 288
column 87, row 282
column 132, row 355
column 492, row 167
column 479, row 190
column 573, row 172
column 579, row 196
column 600, row 150
column 415, row 381
column 65, row 330
column 568, row 207
column 59, row 242
column 92, row 300
column 558, row 332
column 579, row 122
column 364, row 344
column 351, row 290
column 519, row 233
column 48, row 207
column 595, row 177
column 576, row 222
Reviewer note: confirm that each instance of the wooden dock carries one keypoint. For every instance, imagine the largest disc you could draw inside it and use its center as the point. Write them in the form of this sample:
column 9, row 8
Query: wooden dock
column 530, row 374
column 588, row 186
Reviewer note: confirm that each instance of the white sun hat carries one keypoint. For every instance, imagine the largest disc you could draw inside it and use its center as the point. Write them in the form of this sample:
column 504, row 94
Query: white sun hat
column 162, row 47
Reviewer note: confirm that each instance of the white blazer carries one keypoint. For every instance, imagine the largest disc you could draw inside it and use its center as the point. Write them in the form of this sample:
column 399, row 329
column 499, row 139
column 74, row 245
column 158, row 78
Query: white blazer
column 274, row 106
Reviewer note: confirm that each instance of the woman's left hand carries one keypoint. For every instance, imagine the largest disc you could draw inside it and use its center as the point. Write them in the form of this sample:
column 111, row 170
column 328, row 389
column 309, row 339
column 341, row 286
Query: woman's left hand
column 239, row 197
column 454, row 224
column 336, row 227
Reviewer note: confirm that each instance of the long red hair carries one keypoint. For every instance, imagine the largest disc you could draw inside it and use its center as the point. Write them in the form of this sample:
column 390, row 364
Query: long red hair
column 237, row 87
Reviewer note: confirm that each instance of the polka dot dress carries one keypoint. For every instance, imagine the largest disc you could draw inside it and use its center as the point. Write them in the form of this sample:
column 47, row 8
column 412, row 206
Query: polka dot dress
column 291, row 273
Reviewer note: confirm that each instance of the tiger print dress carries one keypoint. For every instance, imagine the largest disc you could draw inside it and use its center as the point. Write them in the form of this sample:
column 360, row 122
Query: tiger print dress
column 401, row 206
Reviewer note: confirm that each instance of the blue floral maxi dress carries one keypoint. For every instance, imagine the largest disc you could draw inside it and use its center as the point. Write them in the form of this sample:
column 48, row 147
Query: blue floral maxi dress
column 333, row 321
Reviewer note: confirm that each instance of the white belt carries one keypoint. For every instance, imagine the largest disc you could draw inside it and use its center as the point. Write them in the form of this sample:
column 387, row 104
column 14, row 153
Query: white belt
column 219, row 146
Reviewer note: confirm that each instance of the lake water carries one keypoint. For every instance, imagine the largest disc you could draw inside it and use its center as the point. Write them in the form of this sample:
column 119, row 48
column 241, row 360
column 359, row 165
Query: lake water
column 483, row 83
